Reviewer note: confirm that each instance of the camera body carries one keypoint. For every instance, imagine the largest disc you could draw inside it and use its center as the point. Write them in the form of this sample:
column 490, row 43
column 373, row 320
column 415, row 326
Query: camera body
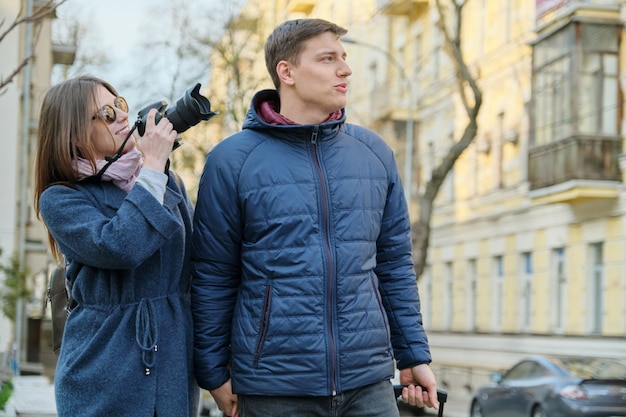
column 188, row 111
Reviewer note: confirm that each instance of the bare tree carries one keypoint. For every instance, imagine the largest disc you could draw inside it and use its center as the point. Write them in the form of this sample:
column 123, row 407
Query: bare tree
column 36, row 17
column 161, row 64
column 171, row 54
column 179, row 38
column 76, row 31
column 471, row 96
column 234, row 52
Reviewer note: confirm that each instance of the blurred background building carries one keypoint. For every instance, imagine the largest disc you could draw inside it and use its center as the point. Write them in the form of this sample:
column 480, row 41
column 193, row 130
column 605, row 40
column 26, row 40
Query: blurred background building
column 528, row 245
column 22, row 236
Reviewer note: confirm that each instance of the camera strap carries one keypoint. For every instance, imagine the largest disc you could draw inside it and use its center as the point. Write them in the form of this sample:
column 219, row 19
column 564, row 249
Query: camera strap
column 118, row 154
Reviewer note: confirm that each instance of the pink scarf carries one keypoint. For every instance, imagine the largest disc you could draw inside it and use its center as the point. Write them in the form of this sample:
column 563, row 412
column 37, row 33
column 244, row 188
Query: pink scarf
column 122, row 172
column 269, row 114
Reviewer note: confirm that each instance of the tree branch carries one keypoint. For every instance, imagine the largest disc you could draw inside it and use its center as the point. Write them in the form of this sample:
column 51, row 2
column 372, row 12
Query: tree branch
column 42, row 12
column 421, row 228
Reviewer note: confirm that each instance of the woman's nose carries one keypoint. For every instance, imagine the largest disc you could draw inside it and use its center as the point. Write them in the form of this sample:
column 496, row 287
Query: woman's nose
column 123, row 114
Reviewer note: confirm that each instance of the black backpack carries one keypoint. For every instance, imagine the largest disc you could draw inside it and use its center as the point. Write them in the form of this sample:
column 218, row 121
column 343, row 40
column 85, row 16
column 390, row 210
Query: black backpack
column 61, row 304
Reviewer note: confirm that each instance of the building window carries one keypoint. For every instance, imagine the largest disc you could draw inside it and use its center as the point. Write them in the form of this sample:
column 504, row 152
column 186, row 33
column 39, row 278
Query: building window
column 526, row 281
column 450, row 291
column 418, row 58
column 552, row 88
column 596, row 286
column 426, row 296
column 472, row 294
column 599, row 89
column 559, row 293
column 575, row 107
column 448, row 188
column 575, row 84
column 498, row 278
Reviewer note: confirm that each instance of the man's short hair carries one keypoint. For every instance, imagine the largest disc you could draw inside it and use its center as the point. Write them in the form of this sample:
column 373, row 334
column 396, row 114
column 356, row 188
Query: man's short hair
column 287, row 42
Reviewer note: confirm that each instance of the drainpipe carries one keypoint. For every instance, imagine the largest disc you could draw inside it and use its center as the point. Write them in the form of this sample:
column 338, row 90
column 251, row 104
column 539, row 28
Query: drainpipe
column 24, row 146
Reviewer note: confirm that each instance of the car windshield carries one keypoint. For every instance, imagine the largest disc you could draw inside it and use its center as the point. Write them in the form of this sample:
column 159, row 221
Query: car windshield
column 594, row 368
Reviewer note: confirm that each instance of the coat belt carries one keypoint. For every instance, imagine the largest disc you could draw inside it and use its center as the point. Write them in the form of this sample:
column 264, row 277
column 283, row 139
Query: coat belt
column 146, row 333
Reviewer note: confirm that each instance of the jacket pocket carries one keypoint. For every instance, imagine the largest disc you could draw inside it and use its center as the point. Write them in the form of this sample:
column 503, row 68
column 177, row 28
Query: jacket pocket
column 265, row 323
column 381, row 307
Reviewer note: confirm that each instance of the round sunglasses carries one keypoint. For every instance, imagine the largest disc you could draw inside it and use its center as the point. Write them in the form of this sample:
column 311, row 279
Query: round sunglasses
column 107, row 112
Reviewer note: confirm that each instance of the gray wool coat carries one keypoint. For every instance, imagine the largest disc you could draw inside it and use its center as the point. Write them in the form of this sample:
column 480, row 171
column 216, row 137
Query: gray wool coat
column 127, row 347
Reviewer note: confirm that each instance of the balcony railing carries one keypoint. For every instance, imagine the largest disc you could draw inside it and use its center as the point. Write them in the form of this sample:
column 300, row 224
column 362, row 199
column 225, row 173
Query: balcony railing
column 575, row 158
column 63, row 53
column 409, row 8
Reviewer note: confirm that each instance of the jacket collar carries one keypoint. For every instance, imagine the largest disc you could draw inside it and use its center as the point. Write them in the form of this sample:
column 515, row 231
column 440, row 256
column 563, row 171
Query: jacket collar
column 254, row 121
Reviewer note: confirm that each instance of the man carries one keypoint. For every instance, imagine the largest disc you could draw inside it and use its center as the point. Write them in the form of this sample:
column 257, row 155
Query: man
column 304, row 289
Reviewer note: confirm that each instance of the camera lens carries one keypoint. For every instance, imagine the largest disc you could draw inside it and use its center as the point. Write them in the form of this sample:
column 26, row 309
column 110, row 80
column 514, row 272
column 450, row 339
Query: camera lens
column 188, row 111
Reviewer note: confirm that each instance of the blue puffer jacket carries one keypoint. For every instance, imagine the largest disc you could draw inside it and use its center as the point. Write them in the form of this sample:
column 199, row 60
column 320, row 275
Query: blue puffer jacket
column 303, row 279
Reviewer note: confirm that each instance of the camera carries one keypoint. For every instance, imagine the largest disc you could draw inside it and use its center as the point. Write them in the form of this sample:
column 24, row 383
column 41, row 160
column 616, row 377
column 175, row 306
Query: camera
column 188, row 111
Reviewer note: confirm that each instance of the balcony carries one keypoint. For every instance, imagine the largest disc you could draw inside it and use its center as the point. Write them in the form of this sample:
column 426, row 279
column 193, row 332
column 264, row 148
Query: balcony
column 244, row 23
column 63, row 53
column 577, row 168
column 301, row 6
column 410, row 8
column 38, row 4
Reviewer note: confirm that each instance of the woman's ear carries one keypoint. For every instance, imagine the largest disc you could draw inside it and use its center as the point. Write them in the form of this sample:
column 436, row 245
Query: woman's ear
column 283, row 69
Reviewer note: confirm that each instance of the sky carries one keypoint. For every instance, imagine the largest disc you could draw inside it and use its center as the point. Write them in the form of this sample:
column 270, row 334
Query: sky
column 115, row 23
column 114, row 26
column 120, row 30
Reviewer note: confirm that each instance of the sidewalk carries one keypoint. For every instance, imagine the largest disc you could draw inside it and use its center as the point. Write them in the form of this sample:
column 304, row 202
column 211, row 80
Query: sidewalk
column 33, row 396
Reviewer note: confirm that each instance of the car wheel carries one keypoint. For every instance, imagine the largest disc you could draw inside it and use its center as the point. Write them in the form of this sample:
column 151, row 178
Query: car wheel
column 476, row 410
column 538, row 412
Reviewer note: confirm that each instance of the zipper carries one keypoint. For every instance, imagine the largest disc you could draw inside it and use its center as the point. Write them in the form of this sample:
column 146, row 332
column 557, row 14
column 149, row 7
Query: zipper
column 327, row 245
column 265, row 321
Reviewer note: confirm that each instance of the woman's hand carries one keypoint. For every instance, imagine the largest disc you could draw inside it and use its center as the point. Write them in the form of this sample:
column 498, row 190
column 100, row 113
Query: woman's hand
column 157, row 142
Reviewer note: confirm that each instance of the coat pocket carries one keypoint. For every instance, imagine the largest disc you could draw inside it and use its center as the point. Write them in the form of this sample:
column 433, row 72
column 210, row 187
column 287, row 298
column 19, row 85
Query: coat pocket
column 265, row 323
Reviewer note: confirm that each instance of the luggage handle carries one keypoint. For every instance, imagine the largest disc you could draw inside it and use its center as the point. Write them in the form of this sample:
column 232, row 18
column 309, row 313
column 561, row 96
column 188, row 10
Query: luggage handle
column 442, row 396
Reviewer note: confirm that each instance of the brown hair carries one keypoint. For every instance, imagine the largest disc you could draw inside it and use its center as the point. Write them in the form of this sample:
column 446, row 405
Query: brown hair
column 287, row 41
column 65, row 126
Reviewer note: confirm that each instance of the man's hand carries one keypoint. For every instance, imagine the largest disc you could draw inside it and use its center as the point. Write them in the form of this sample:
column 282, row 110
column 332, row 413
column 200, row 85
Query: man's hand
column 417, row 377
column 226, row 400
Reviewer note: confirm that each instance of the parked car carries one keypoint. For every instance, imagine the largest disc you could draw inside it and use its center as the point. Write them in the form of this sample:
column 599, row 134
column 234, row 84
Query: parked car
column 543, row 386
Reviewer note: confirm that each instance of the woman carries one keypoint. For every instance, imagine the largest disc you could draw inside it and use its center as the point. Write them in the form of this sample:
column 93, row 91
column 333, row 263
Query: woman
column 121, row 221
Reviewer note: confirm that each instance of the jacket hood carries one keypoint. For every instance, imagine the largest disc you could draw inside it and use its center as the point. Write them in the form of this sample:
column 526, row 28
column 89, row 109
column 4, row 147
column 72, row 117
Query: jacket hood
column 255, row 121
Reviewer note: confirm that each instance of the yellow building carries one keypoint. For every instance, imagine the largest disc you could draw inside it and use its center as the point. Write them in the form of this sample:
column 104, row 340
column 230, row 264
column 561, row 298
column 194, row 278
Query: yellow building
column 528, row 248
column 21, row 235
